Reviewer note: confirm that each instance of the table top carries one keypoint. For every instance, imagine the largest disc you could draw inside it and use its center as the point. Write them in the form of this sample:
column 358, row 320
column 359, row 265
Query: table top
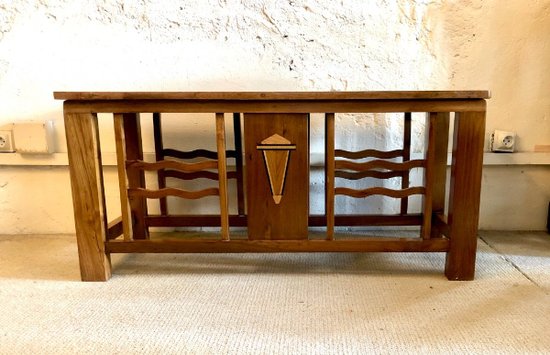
column 276, row 95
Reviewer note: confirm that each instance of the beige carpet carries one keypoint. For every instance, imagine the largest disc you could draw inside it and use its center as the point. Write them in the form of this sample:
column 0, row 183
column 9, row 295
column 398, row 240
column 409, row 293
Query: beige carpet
column 275, row 303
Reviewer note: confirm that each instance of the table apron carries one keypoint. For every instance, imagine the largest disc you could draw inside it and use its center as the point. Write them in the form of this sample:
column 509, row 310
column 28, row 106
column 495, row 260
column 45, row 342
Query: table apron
column 274, row 106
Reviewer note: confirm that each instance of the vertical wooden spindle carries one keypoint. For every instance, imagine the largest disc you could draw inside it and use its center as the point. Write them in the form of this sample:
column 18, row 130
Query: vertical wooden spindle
column 159, row 155
column 406, row 157
column 126, row 210
column 441, row 131
column 329, row 174
column 222, row 175
column 239, row 162
column 425, row 231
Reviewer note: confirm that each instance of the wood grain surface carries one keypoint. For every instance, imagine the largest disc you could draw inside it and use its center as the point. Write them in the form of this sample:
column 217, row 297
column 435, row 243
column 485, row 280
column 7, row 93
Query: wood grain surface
column 464, row 196
column 280, row 227
column 288, row 95
column 289, row 218
column 88, row 196
column 200, row 245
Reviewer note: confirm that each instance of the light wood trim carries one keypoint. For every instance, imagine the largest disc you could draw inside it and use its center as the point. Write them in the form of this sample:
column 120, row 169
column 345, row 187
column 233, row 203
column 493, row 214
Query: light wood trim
column 170, row 191
column 85, row 169
column 276, row 164
column 222, row 173
column 126, row 210
column 426, row 231
column 172, row 164
column 297, row 106
column 368, row 153
column 370, row 244
column 329, row 173
column 379, row 164
column 465, row 188
column 276, row 147
column 349, row 175
column 289, row 95
column 380, row 191
column 276, row 140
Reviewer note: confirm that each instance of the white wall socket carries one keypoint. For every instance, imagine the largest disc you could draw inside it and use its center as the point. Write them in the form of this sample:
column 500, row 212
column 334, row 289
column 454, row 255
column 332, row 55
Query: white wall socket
column 503, row 141
column 6, row 142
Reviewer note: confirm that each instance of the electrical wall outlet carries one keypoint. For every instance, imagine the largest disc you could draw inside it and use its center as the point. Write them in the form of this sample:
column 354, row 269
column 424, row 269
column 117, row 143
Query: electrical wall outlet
column 502, row 141
column 6, row 142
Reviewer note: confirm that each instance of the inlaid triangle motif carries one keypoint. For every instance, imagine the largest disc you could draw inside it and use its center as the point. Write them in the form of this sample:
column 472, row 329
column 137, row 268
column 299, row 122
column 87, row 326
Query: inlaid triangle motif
column 276, row 162
column 276, row 151
column 276, row 140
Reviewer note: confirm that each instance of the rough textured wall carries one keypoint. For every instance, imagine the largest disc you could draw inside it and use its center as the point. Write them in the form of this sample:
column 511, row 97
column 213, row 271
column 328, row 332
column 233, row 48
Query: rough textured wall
column 276, row 45
column 503, row 46
column 210, row 45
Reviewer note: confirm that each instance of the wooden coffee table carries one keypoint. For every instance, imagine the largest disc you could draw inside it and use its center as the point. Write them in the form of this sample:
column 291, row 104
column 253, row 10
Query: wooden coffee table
column 276, row 161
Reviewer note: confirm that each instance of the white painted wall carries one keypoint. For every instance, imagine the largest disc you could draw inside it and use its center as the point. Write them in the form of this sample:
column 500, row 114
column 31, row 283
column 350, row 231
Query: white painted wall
column 501, row 45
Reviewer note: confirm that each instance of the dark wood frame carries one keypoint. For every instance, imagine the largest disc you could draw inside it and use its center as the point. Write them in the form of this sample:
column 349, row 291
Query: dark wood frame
column 454, row 233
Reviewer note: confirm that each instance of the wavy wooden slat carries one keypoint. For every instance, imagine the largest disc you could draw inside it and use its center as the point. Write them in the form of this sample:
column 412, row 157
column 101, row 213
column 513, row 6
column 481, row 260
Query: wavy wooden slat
column 169, row 191
column 380, row 191
column 379, row 164
column 171, row 164
column 348, row 175
column 368, row 153
column 210, row 175
column 197, row 153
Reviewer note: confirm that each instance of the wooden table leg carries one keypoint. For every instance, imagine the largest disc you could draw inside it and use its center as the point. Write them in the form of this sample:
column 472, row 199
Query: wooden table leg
column 88, row 195
column 465, row 187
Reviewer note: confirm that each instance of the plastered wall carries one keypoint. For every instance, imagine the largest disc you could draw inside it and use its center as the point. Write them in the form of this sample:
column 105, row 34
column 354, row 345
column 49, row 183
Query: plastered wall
column 501, row 45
